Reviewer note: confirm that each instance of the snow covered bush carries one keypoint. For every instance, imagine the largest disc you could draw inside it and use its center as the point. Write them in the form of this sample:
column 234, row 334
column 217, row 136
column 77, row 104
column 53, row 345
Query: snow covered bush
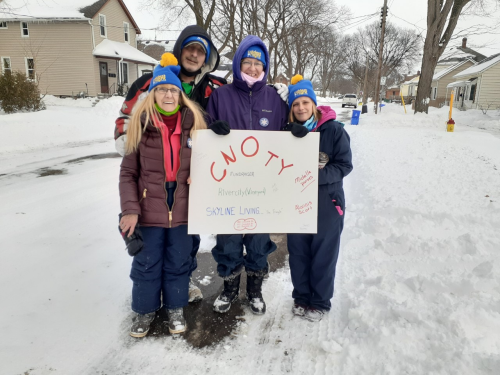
column 19, row 93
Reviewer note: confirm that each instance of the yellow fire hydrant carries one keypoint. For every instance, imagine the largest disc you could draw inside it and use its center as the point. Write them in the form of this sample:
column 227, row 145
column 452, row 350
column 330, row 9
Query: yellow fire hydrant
column 450, row 124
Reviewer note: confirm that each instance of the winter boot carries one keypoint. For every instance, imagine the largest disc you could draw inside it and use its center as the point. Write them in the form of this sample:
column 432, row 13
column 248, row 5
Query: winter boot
column 141, row 324
column 194, row 292
column 314, row 315
column 299, row 309
column 254, row 293
column 176, row 321
column 230, row 294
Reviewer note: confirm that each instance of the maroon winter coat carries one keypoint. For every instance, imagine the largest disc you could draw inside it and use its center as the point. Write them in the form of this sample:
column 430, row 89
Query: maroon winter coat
column 142, row 179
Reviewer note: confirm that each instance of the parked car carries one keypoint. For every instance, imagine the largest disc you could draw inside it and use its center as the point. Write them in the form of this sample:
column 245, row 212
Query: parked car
column 340, row 97
column 351, row 100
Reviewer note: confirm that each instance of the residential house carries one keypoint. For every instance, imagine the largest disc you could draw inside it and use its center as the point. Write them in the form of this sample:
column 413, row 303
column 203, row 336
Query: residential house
column 453, row 61
column 154, row 49
column 408, row 89
column 69, row 47
column 281, row 78
column 393, row 93
column 478, row 86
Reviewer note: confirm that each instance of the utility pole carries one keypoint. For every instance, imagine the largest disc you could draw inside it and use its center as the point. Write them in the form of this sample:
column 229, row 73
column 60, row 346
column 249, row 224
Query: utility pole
column 365, row 93
column 381, row 51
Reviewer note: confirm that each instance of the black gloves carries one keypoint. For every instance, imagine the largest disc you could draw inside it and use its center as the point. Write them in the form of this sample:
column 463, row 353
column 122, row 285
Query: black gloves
column 220, row 127
column 297, row 130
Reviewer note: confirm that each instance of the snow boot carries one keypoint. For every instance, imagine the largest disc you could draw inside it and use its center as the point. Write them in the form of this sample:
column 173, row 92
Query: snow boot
column 141, row 324
column 298, row 309
column 195, row 294
column 314, row 315
column 176, row 321
column 230, row 294
column 254, row 293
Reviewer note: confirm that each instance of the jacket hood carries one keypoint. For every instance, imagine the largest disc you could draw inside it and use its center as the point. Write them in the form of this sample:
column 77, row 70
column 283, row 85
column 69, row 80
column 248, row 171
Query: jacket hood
column 249, row 41
column 327, row 114
column 213, row 61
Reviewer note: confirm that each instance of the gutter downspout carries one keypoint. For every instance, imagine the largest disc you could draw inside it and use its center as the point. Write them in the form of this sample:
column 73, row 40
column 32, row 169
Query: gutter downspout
column 92, row 31
column 119, row 71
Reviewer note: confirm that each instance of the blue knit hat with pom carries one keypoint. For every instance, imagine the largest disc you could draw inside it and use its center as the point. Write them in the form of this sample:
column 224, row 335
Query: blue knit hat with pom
column 166, row 72
column 255, row 52
column 300, row 87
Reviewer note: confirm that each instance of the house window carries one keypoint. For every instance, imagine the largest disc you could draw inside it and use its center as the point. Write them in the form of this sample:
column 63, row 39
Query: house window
column 24, row 30
column 3, row 25
column 6, row 66
column 102, row 25
column 434, row 93
column 472, row 92
column 126, row 31
column 146, row 71
column 30, row 67
column 124, row 69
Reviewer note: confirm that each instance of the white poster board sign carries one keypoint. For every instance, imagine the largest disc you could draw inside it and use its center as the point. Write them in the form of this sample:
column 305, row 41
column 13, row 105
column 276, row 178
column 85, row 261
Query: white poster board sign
column 253, row 182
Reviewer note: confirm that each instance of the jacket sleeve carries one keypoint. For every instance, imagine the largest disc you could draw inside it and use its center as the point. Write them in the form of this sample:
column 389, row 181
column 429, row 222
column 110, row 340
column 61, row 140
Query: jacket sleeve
column 134, row 95
column 340, row 164
column 212, row 113
column 129, row 177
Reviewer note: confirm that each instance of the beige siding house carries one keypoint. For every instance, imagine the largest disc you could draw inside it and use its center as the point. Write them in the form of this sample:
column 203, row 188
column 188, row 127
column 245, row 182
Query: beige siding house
column 478, row 87
column 71, row 46
column 442, row 78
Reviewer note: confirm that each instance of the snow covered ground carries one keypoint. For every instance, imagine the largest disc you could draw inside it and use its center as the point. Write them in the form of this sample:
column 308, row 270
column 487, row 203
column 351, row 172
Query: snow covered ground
column 417, row 288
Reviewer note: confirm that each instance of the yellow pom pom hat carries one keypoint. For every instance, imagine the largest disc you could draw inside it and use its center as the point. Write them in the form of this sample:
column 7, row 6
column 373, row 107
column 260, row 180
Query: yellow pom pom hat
column 300, row 87
column 167, row 72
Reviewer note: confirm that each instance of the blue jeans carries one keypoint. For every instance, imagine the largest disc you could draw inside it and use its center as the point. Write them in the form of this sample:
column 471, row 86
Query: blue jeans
column 228, row 253
column 162, row 269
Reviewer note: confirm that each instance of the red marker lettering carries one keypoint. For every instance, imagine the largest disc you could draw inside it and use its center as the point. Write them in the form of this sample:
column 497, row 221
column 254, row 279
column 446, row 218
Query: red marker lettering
column 256, row 150
column 283, row 166
column 227, row 157
column 212, row 172
column 272, row 156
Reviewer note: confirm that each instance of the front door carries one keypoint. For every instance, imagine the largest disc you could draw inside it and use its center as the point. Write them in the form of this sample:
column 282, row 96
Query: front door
column 103, row 72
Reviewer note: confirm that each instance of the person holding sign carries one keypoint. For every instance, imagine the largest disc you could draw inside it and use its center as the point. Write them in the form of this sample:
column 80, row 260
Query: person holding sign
column 154, row 191
column 247, row 104
column 313, row 257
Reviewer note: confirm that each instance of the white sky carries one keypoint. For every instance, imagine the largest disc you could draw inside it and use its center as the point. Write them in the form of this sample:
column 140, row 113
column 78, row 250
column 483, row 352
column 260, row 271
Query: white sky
column 404, row 13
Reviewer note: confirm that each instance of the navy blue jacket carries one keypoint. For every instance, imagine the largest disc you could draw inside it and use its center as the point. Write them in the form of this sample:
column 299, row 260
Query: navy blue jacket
column 335, row 142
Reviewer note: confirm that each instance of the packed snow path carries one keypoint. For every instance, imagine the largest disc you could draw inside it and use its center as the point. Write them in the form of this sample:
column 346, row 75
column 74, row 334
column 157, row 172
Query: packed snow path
column 417, row 288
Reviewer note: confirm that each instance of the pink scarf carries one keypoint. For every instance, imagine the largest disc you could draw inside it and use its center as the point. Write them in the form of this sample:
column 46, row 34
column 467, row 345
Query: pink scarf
column 251, row 80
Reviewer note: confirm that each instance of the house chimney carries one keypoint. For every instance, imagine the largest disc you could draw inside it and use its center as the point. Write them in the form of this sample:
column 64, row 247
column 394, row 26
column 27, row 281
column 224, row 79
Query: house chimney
column 464, row 43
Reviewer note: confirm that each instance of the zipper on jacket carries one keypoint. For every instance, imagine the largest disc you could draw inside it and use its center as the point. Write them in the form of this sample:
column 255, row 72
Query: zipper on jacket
column 251, row 128
column 143, row 195
column 165, row 172
column 180, row 163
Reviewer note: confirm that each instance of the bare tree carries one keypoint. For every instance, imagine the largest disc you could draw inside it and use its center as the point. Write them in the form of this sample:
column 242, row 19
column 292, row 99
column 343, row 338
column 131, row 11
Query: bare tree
column 442, row 18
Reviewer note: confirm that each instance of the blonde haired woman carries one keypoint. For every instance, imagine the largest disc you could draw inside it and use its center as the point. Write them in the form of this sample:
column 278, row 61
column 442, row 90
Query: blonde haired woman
column 154, row 178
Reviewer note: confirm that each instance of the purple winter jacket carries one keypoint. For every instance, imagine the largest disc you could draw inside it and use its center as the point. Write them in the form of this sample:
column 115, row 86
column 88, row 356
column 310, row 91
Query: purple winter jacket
column 244, row 108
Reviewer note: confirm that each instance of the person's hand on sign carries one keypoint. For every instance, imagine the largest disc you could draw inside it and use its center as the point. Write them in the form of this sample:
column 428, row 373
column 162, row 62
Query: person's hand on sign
column 220, row 127
column 297, row 130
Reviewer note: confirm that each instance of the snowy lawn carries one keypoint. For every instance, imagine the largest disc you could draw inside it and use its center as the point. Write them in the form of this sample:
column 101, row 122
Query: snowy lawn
column 417, row 288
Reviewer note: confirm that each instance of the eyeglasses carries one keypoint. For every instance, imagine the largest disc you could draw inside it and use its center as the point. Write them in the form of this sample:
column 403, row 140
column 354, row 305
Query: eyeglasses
column 163, row 91
column 257, row 64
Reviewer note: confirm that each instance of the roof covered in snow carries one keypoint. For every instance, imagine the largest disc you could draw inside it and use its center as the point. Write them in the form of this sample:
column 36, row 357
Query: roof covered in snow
column 35, row 10
column 451, row 68
column 481, row 67
column 455, row 54
column 117, row 50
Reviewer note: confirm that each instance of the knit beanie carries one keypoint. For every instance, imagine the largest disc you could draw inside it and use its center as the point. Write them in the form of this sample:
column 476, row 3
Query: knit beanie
column 166, row 72
column 300, row 87
column 255, row 52
column 198, row 40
